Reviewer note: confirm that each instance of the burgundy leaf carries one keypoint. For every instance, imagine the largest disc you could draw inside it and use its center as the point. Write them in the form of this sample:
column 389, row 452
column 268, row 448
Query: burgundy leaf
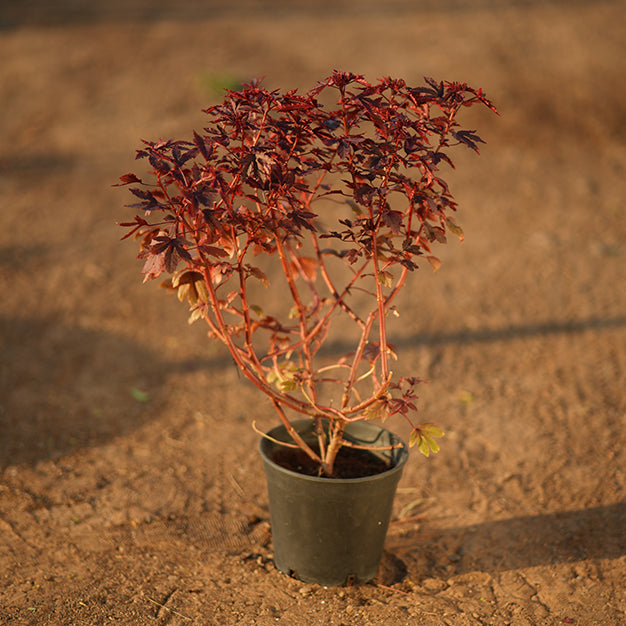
column 128, row 179
column 393, row 219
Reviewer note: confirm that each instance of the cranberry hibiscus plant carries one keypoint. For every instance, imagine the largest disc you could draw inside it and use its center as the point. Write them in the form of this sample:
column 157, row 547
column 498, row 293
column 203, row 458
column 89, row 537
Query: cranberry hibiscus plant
column 345, row 199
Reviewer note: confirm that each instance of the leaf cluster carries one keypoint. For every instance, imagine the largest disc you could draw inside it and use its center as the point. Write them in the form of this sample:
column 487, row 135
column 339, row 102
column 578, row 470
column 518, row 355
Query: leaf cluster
column 277, row 175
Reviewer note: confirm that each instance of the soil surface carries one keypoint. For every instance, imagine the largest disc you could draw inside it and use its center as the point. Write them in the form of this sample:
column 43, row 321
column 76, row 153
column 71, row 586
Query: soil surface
column 131, row 489
column 348, row 464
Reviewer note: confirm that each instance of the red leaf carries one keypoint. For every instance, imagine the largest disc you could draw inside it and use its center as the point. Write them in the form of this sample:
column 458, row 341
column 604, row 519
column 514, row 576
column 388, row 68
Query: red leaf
column 364, row 194
column 393, row 219
column 128, row 179
column 214, row 251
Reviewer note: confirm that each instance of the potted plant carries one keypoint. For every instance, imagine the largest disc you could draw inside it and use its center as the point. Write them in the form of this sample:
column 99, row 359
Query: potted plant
column 290, row 225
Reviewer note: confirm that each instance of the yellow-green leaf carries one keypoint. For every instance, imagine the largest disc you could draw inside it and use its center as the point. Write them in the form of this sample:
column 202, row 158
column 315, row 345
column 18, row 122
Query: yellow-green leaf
column 259, row 275
column 195, row 315
column 423, row 447
column 378, row 410
column 423, row 437
column 287, row 385
column 455, row 229
column 203, row 292
column 432, row 431
column 183, row 292
column 466, row 398
column 385, row 278
column 432, row 444
column 434, row 262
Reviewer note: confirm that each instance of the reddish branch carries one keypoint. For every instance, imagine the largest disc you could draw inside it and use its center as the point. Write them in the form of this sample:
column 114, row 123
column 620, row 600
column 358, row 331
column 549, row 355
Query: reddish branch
column 355, row 186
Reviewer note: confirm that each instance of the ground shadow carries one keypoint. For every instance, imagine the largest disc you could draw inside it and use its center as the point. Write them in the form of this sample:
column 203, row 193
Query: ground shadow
column 64, row 387
column 520, row 331
column 516, row 543
column 490, row 335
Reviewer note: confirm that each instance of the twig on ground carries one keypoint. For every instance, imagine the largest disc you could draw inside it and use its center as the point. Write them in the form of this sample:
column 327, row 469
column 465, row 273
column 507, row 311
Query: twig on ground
column 162, row 606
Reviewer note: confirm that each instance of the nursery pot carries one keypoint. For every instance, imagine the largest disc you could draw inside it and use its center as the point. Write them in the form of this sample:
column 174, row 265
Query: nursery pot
column 331, row 531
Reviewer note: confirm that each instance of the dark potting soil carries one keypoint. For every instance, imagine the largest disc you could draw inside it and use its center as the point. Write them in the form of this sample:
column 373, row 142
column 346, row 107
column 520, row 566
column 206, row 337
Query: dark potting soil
column 350, row 463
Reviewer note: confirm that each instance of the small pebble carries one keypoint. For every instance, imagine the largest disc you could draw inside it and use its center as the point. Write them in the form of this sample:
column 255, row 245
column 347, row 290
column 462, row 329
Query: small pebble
column 305, row 590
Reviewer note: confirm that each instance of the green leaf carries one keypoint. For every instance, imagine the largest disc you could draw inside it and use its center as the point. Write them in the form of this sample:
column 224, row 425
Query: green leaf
column 139, row 395
column 257, row 309
column 466, row 398
column 216, row 83
column 284, row 378
column 287, row 385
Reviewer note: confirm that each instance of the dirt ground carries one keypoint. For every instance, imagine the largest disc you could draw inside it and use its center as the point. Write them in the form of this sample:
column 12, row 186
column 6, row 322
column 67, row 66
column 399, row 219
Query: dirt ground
column 130, row 484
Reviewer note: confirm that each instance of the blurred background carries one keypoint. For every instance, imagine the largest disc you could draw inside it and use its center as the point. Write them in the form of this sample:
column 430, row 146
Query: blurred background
column 81, row 84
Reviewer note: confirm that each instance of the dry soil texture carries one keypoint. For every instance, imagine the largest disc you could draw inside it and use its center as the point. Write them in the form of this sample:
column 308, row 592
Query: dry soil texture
column 150, row 508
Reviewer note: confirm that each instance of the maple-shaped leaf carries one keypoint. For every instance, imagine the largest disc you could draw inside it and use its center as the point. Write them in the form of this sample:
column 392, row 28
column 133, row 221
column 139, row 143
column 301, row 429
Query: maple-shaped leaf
column 423, row 436
column 160, row 165
column 128, row 179
column 173, row 249
column 136, row 224
column 469, row 138
column 149, row 203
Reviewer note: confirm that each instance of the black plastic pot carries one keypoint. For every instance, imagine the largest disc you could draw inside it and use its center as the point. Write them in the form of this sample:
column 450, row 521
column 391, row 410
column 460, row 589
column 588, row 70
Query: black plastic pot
column 331, row 531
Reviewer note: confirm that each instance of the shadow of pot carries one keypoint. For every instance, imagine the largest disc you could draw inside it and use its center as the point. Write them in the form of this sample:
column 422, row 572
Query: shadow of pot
column 331, row 531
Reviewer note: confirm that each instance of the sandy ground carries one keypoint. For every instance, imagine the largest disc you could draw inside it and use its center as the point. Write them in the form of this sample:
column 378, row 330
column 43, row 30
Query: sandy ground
column 114, row 509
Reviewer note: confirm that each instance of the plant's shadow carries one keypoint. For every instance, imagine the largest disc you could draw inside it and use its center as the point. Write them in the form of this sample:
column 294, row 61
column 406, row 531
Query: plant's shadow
column 522, row 331
column 63, row 388
column 516, row 543
column 491, row 335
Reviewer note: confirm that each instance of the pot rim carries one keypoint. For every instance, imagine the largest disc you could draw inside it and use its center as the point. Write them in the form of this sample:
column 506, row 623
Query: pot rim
column 399, row 456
